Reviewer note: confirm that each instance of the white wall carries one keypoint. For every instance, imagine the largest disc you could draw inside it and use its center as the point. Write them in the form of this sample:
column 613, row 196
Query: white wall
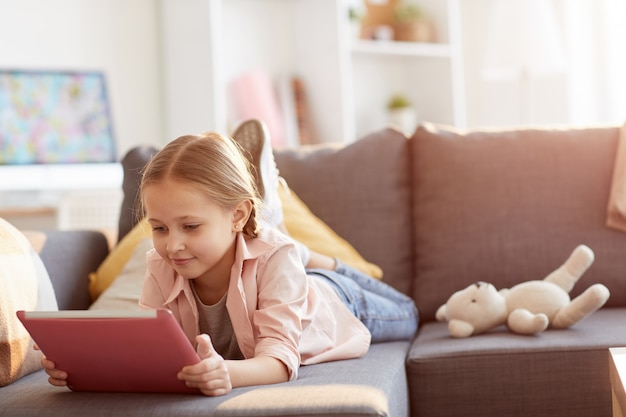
column 189, row 94
column 118, row 37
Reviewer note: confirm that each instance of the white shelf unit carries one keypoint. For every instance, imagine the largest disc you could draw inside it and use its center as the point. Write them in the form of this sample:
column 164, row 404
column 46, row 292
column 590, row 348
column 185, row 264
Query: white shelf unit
column 90, row 209
column 61, row 196
column 429, row 74
column 397, row 48
column 206, row 43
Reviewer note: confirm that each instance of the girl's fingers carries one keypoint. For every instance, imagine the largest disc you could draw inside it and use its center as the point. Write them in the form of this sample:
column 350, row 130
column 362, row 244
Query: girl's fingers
column 57, row 382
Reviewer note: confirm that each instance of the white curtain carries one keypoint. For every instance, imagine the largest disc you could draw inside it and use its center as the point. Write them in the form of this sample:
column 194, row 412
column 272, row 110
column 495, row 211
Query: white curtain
column 595, row 36
column 529, row 37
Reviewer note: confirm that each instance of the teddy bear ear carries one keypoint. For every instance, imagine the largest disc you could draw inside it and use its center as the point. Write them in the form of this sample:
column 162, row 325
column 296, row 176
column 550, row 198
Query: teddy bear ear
column 460, row 328
column 441, row 314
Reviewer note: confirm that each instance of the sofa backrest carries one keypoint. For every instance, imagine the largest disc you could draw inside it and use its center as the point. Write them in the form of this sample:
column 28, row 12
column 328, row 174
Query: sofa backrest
column 132, row 164
column 447, row 208
column 363, row 192
column 510, row 206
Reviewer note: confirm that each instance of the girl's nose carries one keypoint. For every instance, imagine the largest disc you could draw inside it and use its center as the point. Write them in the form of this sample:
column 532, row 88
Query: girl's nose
column 174, row 244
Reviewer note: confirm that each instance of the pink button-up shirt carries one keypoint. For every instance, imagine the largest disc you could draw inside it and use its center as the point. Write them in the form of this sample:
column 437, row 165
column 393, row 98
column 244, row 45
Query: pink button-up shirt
column 275, row 308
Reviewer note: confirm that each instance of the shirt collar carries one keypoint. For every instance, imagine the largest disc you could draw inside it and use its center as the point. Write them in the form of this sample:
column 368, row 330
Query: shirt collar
column 251, row 248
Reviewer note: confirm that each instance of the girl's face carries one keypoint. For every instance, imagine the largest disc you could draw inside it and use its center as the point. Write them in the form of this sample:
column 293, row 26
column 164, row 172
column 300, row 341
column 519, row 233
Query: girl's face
column 190, row 231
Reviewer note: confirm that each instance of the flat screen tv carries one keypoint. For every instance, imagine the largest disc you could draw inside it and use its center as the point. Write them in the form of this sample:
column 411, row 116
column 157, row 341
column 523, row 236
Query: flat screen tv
column 54, row 117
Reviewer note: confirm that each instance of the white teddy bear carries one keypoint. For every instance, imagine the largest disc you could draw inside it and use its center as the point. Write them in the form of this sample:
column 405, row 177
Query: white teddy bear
column 526, row 308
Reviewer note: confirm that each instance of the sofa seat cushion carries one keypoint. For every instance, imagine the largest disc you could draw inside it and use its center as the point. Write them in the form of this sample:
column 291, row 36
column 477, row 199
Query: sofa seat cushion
column 374, row 385
column 507, row 206
column 559, row 372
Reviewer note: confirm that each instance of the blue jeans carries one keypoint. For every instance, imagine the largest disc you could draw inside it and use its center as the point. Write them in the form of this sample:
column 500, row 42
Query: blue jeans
column 387, row 313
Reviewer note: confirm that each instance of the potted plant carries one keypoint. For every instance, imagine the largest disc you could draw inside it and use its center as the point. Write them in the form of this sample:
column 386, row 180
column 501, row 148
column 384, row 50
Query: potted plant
column 355, row 16
column 402, row 114
column 412, row 24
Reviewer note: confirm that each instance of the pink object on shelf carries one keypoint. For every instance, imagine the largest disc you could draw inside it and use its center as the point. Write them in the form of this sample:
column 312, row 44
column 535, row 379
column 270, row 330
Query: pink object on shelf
column 254, row 97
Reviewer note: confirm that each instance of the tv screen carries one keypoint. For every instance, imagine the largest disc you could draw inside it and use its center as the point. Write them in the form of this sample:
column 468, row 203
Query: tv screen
column 54, row 117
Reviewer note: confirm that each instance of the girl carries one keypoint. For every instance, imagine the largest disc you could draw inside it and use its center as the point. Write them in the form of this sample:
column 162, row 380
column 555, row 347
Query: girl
column 240, row 292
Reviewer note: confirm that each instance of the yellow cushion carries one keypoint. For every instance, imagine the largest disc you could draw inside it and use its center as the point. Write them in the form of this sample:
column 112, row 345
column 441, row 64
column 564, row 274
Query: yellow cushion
column 300, row 222
column 117, row 259
column 307, row 228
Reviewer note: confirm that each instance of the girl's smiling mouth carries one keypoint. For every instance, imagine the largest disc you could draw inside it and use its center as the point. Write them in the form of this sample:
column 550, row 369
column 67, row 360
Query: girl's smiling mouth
column 180, row 261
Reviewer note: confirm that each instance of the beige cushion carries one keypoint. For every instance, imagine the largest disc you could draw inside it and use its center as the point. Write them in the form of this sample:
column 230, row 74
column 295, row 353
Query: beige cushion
column 24, row 285
column 509, row 206
column 123, row 293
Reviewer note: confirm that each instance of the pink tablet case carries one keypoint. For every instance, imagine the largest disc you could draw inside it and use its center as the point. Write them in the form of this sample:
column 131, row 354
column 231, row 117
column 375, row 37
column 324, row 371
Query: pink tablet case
column 114, row 354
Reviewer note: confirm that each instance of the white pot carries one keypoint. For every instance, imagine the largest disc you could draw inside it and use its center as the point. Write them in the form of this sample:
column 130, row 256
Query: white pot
column 355, row 30
column 404, row 119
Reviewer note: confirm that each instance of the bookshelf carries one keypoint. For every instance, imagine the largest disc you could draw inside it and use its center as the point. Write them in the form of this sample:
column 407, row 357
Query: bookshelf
column 208, row 43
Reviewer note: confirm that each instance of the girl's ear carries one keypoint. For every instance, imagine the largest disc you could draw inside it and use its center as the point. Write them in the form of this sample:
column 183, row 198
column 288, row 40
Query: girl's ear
column 241, row 213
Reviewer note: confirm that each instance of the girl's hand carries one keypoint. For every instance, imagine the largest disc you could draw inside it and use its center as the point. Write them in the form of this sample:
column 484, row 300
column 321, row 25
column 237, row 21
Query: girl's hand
column 56, row 377
column 210, row 375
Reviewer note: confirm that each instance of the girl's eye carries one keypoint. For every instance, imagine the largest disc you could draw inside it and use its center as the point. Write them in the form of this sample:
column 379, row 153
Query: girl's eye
column 191, row 226
column 158, row 228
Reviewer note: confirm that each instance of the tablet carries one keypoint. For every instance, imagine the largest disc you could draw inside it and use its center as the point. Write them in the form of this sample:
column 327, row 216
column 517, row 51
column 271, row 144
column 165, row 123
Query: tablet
column 114, row 351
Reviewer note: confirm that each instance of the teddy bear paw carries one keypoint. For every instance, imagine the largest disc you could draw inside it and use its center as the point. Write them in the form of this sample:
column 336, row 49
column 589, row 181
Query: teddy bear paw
column 523, row 321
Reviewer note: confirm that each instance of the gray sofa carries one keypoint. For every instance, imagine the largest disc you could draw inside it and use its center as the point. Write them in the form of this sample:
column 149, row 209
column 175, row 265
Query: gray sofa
column 436, row 211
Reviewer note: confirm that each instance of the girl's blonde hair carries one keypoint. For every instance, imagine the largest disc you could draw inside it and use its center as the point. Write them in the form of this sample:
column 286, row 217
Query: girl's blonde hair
column 212, row 162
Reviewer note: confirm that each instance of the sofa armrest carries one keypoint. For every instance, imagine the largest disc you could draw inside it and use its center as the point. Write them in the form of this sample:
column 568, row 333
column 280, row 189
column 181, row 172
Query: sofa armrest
column 69, row 257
